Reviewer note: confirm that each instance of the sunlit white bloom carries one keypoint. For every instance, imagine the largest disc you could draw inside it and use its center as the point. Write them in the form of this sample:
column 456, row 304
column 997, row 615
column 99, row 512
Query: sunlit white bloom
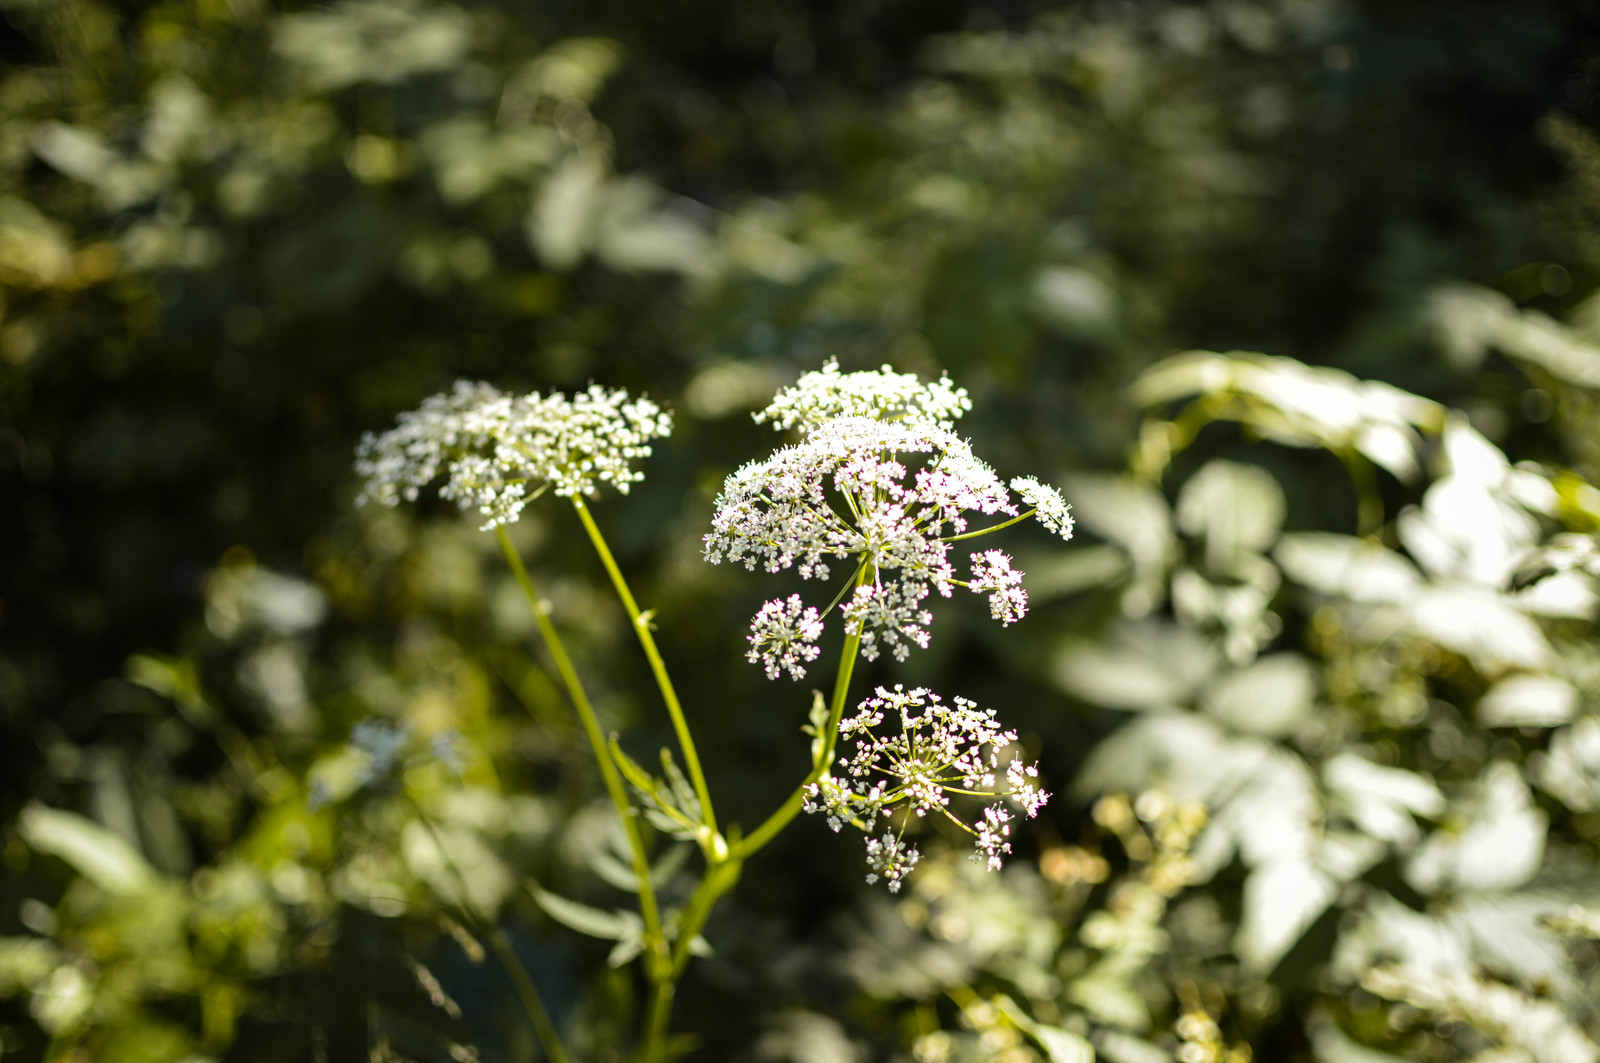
column 885, row 496
column 992, row 572
column 936, row 751
column 496, row 449
column 879, row 481
column 889, row 613
column 892, row 858
column 879, row 394
column 1052, row 511
column 783, row 636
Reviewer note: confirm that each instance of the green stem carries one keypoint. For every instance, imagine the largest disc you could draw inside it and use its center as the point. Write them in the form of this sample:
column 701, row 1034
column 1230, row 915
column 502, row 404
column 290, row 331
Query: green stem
column 830, row 735
column 986, row 531
column 714, row 851
column 527, row 992
column 648, row 910
column 1369, row 499
column 655, row 1031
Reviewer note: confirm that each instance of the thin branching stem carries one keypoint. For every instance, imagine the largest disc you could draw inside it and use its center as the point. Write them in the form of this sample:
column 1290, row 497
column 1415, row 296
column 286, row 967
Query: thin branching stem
column 830, row 734
column 985, row 531
column 544, row 1028
column 655, row 940
column 641, row 628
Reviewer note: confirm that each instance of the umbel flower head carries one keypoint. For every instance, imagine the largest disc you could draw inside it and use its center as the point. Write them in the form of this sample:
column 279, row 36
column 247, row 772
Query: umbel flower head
column 878, row 479
column 497, row 450
column 881, row 394
column 930, row 751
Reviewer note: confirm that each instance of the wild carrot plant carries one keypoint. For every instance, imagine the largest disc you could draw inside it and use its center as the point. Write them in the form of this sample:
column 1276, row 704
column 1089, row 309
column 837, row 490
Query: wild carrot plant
column 871, row 498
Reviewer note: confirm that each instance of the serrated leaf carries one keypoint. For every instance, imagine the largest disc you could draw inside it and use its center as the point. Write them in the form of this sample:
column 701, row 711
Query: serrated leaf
column 616, row 925
column 816, row 721
column 663, row 801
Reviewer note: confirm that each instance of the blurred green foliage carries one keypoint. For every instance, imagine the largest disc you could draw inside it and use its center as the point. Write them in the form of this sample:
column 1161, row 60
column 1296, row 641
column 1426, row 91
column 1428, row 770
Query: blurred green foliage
column 273, row 766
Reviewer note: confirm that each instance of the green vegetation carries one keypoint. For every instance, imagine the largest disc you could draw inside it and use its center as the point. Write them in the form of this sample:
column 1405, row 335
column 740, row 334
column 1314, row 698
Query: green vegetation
column 1315, row 686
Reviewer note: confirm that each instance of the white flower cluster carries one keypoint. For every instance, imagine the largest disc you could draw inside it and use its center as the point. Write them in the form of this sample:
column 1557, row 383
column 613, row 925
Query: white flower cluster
column 879, row 478
column 1052, row 511
column 497, row 450
column 938, row 750
column 883, row 395
column 784, row 636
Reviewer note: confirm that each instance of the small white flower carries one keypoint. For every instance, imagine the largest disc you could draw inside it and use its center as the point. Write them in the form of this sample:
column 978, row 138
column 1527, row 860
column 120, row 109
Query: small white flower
column 877, row 480
column 783, row 636
column 937, row 751
column 890, row 613
column 992, row 571
column 1053, row 511
column 495, row 447
column 881, row 395
column 891, row 857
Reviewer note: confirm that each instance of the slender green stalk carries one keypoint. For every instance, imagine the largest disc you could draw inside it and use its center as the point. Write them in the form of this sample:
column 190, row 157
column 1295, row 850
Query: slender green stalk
column 641, row 628
column 1369, row 499
column 648, row 910
column 529, row 993
column 830, row 736
column 543, row 1028
column 655, row 1030
column 986, row 531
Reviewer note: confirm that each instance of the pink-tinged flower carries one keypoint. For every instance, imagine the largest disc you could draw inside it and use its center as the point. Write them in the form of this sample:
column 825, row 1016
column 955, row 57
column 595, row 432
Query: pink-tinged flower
column 931, row 752
column 879, row 482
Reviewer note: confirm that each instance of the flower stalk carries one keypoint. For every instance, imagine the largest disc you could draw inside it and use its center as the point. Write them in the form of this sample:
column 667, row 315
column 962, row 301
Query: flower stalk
column 878, row 480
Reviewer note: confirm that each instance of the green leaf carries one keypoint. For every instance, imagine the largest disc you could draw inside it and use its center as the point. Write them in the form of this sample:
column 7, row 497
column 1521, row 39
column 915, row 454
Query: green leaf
column 1060, row 1046
column 619, row 925
column 670, row 805
column 816, row 721
column 1271, row 696
column 1140, row 665
column 1381, row 801
column 1235, row 508
column 1281, row 901
column 93, row 851
column 1118, row 1047
column 26, row 962
column 1498, row 1011
column 1481, row 625
column 1331, row 1045
column 1528, row 701
column 1499, row 848
column 1347, row 567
